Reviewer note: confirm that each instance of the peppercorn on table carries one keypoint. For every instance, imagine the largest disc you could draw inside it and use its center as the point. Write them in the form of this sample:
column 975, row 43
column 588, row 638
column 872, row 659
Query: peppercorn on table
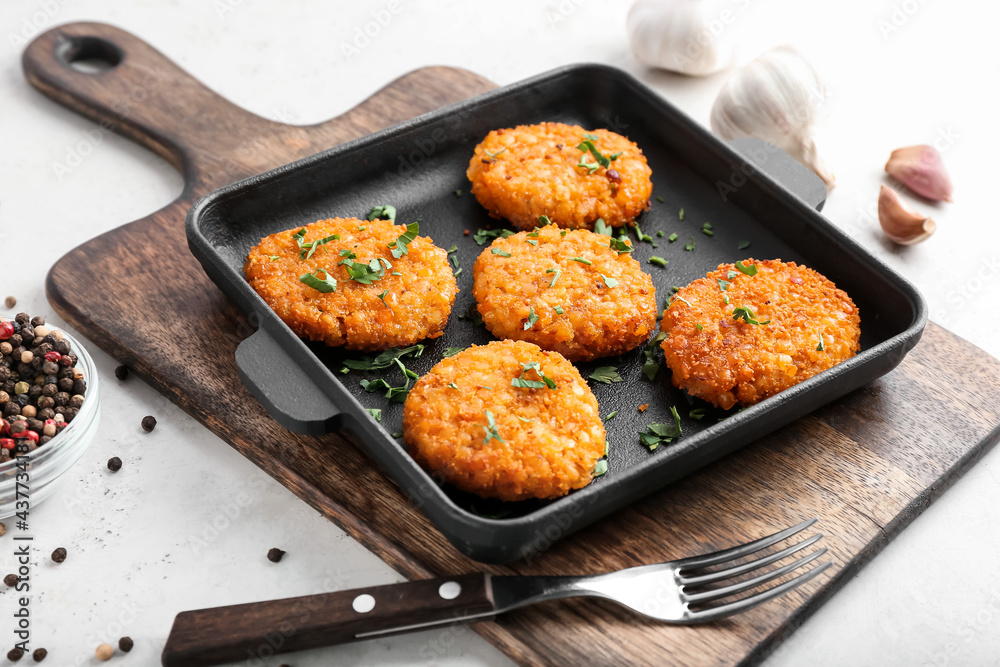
column 191, row 522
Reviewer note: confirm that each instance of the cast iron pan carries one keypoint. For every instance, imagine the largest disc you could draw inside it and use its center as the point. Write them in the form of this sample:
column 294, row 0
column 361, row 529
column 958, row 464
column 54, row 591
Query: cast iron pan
column 748, row 190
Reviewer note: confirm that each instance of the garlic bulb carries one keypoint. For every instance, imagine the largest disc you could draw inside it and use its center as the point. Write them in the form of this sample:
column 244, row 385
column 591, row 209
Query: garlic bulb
column 687, row 36
column 900, row 223
column 921, row 170
column 777, row 98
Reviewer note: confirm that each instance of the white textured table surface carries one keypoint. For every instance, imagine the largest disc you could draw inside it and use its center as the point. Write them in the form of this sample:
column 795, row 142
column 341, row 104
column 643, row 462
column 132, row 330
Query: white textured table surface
column 187, row 521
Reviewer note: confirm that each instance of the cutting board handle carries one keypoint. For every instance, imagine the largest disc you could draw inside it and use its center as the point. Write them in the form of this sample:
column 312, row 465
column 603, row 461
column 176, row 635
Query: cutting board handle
column 138, row 92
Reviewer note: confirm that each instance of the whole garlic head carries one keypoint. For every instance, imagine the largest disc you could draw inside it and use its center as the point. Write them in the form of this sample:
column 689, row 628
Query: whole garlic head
column 687, row 36
column 778, row 97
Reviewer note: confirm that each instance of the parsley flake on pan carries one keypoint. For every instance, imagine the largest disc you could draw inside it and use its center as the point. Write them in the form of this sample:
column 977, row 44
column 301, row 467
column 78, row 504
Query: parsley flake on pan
column 658, row 261
column 658, row 434
column 326, row 285
column 600, row 468
column 689, row 246
column 452, row 351
column 706, row 229
column 383, row 213
column 672, row 237
column 483, row 235
column 606, row 375
column 651, row 366
column 497, row 251
column 384, row 359
column 743, row 245
column 750, row 270
column 546, row 381
column 611, row 415
column 376, row 414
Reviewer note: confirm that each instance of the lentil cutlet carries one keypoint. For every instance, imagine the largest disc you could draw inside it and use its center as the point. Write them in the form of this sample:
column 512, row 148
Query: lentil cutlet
column 734, row 338
column 341, row 282
column 575, row 292
column 568, row 174
column 505, row 420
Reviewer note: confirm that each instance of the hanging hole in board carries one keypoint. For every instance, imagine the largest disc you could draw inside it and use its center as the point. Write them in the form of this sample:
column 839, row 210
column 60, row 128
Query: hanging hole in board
column 90, row 55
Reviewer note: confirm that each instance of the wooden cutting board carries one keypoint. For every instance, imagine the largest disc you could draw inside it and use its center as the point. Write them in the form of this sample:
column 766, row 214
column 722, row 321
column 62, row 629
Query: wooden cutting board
column 865, row 465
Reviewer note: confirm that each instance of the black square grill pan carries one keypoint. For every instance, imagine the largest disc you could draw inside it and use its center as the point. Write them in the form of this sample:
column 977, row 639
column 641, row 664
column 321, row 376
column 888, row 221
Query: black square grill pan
column 747, row 190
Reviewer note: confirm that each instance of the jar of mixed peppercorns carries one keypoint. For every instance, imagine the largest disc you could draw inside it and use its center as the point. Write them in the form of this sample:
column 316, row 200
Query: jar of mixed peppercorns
column 48, row 405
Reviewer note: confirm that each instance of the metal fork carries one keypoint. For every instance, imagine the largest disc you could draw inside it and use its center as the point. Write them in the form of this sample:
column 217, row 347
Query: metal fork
column 679, row 591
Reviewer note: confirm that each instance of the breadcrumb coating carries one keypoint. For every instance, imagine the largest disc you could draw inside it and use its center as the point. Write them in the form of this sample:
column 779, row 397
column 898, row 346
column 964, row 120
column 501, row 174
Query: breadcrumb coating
column 543, row 442
column 607, row 302
column 807, row 325
column 392, row 311
column 533, row 170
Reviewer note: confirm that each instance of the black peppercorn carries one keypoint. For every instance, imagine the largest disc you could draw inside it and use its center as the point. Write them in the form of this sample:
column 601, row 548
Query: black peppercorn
column 4, row 373
column 22, row 318
column 61, row 346
column 27, row 332
column 65, row 373
column 46, row 413
column 39, row 654
column 42, row 440
column 274, row 555
column 61, row 398
column 148, row 423
column 76, row 401
column 43, row 348
column 70, row 359
column 21, row 400
column 34, row 391
column 121, row 373
column 11, row 409
column 10, row 580
column 79, row 386
column 125, row 644
column 46, row 401
column 15, row 340
column 114, row 464
column 35, row 425
column 15, row 654
column 18, row 427
column 49, row 389
column 70, row 413
column 59, row 555
column 65, row 384
column 50, row 368
column 37, row 321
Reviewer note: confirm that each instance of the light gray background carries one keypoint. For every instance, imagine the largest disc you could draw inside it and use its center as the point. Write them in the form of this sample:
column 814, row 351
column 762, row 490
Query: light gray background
column 187, row 521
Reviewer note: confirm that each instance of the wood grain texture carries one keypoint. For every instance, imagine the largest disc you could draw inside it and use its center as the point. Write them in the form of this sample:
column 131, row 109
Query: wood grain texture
column 866, row 465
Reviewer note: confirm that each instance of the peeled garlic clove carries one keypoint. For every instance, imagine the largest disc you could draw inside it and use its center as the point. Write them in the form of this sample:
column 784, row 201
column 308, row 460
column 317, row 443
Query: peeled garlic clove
column 921, row 169
column 688, row 36
column 900, row 223
column 778, row 98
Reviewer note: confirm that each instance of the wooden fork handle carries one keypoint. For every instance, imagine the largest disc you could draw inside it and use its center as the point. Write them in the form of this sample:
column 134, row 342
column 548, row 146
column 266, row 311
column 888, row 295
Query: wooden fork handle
column 260, row 629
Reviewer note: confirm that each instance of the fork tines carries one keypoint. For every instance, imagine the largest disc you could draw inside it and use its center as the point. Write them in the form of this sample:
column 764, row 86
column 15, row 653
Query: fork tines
column 688, row 579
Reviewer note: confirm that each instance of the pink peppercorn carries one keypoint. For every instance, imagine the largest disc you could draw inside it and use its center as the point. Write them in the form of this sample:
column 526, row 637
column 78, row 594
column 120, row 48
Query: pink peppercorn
column 53, row 356
column 6, row 330
column 6, row 443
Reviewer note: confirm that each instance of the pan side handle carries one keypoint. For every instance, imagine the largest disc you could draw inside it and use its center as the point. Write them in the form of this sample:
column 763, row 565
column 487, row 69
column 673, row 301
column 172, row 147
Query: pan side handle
column 783, row 168
column 283, row 387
